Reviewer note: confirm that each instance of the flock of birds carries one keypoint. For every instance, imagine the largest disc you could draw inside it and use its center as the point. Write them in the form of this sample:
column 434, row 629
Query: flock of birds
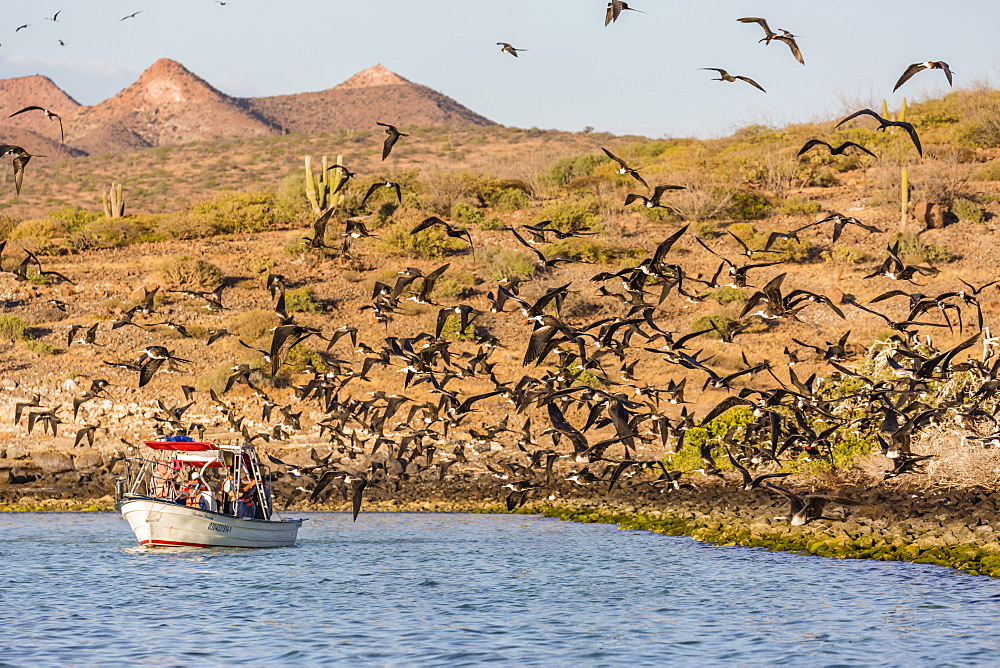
column 602, row 427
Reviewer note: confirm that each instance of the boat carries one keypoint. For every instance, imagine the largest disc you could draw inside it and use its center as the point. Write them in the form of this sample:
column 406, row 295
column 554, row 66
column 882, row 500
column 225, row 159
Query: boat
column 201, row 494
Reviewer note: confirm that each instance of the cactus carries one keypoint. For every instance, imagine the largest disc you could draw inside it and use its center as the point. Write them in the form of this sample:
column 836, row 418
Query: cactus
column 114, row 203
column 904, row 180
column 319, row 187
column 885, row 109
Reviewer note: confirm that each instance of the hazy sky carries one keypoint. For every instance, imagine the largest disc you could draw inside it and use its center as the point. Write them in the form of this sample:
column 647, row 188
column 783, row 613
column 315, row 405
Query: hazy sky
column 639, row 75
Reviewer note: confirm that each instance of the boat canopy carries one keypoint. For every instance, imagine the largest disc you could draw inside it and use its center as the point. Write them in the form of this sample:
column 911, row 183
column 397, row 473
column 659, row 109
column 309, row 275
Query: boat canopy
column 181, row 446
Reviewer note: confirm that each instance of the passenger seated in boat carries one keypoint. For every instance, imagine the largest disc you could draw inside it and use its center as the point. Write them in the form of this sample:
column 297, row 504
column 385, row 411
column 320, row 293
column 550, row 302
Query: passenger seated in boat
column 246, row 506
column 193, row 493
column 164, row 486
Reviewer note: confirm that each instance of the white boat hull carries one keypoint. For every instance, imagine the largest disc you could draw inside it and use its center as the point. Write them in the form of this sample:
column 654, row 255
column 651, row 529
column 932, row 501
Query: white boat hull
column 162, row 523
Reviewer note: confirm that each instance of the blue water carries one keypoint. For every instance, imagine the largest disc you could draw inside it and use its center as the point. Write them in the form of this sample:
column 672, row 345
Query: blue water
column 403, row 589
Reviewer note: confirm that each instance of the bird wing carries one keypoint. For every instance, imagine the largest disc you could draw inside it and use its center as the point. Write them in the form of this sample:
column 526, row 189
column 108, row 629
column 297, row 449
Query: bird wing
column 372, row 189
column 31, row 108
column 390, row 141
column 149, row 366
column 790, row 41
column 865, row 112
column 910, row 130
column 759, row 21
column 907, row 74
column 426, row 223
column 19, row 163
column 399, row 194
column 561, row 425
column 812, row 143
column 947, row 71
column 615, row 158
column 848, row 144
column 751, row 82
column 358, row 488
column 632, row 197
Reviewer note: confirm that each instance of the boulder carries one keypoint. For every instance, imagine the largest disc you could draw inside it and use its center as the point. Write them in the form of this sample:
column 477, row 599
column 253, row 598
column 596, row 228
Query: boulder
column 16, row 451
column 53, row 462
column 86, row 461
column 933, row 216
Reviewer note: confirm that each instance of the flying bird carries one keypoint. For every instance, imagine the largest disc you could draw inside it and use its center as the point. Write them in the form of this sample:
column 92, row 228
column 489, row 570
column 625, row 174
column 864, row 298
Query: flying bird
column 919, row 67
column 131, row 16
column 653, row 201
column 726, row 76
column 20, row 28
column 391, row 140
column 769, row 35
column 507, row 48
column 623, row 168
column 451, row 231
column 49, row 114
column 21, row 158
column 387, row 184
column 615, row 8
column 55, row 17
column 834, row 150
column 885, row 123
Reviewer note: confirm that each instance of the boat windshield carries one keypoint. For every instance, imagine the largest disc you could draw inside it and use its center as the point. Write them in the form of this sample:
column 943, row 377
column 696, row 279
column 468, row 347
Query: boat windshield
column 222, row 478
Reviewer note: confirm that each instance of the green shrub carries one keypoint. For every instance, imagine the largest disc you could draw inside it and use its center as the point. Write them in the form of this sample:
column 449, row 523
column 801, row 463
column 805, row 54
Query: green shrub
column 466, row 214
column 748, row 205
column 13, row 328
column 187, row 273
column 456, row 284
column 968, row 211
column 586, row 250
column 492, row 223
column 241, row 212
column 913, row 247
column 722, row 322
column 727, row 295
column 429, row 243
column 302, row 300
column 570, row 215
column 41, row 348
column 452, row 329
column 7, row 223
column 844, row 254
column 254, row 324
column 500, row 263
column 569, row 169
column 794, row 206
column 104, row 233
column 185, row 226
column 990, row 172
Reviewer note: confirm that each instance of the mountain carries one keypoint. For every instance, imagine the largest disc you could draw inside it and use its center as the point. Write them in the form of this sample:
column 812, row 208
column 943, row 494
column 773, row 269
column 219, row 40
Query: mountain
column 168, row 104
column 375, row 94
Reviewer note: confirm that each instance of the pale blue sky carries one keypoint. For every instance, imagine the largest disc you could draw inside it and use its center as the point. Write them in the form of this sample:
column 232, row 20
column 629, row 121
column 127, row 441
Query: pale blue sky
column 636, row 76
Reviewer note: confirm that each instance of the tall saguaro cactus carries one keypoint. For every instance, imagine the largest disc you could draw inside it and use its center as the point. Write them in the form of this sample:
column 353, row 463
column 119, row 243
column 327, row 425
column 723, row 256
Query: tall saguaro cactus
column 904, row 180
column 319, row 187
column 114, row 203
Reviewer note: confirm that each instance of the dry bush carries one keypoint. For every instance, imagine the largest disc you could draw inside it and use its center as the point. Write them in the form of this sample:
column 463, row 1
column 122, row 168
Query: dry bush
column 254, row 324
column 957, row 459
column 188, row 273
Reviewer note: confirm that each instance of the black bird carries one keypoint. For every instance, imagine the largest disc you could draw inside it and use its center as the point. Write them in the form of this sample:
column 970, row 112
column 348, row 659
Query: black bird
column 49, row 114
column 345, row 176
column 919, row 67
column 809, row 507
column 131, row 16
column 55, row 17
column 20, row 28
column 769, row 35
column 726, row 76
column 391, row 140
column 387, row 184
column 453, row 232
column 653, row 201
column 615, row 8
column 885, row 123
column 623, row 168
column 838, row 150
column 507, row 48
column 21, row 158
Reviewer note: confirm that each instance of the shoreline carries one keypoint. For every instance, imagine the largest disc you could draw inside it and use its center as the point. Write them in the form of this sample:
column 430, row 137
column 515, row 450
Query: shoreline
column 952, row 528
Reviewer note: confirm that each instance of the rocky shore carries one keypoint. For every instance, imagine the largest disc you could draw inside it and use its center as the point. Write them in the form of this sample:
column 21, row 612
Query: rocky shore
column 956, row 528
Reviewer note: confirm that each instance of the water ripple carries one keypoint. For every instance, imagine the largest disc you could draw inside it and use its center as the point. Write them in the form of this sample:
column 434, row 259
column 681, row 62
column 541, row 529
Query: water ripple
column 455, row 590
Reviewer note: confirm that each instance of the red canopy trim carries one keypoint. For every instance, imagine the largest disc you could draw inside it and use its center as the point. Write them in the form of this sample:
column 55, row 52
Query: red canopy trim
column 181, row 446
